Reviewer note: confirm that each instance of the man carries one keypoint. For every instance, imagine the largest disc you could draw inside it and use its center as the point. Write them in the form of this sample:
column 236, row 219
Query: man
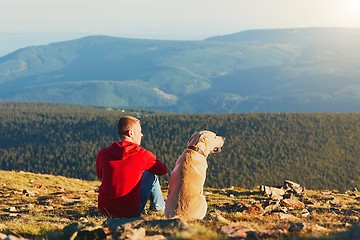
column 128, row 174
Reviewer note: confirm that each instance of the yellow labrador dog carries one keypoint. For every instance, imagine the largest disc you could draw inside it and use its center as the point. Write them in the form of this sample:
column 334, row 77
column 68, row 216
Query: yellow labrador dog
column 185, row 197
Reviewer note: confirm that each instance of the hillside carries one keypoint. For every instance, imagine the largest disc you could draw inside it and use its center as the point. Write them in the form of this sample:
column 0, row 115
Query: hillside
column 317, row 150
column 38, row 206
column 276, row 70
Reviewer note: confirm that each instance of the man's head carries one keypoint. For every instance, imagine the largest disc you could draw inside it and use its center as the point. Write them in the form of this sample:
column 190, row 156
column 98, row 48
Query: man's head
column 129, row 129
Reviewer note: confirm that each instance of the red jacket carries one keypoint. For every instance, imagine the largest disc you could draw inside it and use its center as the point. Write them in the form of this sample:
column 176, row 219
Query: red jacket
column 121, row 166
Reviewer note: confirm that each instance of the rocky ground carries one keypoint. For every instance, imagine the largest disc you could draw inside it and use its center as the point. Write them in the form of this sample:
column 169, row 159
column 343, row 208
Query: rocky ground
column 37, row 206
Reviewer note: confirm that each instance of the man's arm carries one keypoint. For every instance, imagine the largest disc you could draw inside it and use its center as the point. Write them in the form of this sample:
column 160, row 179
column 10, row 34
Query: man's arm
column 158, row 168
column 98, row 166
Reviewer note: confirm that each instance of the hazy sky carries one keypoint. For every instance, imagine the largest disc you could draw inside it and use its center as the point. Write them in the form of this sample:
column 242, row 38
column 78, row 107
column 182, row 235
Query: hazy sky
column 170, row 19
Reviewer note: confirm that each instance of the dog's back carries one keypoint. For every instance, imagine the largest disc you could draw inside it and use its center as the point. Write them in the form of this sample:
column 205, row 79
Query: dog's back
column 185, row 198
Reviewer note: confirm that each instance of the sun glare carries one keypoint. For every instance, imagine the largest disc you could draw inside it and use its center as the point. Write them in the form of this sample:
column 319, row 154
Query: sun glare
column 351, row 11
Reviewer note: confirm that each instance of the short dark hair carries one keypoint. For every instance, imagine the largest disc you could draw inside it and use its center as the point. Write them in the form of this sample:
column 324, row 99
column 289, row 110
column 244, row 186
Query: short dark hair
column 124, row 125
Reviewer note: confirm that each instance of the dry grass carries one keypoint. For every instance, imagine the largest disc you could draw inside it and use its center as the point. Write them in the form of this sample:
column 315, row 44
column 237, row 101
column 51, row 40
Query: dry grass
column 35, row 205
column 39, row 206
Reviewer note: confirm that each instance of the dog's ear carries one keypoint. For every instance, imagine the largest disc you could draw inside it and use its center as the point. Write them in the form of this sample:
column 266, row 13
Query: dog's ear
column 194, row 139
column 202, row 137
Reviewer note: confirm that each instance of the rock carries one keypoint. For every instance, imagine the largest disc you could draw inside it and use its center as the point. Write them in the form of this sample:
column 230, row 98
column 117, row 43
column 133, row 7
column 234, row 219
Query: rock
column 305, row 227
column 273, row 192
column 12, row 209
column 235, row 230
column 286, row 216
column 308, row 201
column 217, row 215
column 66, row 200
column 37, row 185
column 237, row 207
column 30, row 206
column 45, row 200
column 94, row 234
column 134, row 228
column 335, row 203
column 207, row 193
column 296, row 227
column 114, row 223
column 65, row 220
column 222, row 219
column 274, row 206
column 48, row 208
column 238, row 231
column 83, row 220
column 175, row 223
column 30, row 193
column 254, row 210
column 11, row 236
column 305, row 213
column 292, row 202
column 135, row 233
column 293, row 187
column 125, row 227
column 273, row 233
column 81, row 231
column 155, row 237
column 278, row 193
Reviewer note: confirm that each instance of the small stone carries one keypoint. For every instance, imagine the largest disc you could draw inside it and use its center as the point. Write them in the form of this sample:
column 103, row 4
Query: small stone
column 30, row 206
column 12, row 209
column 29, row 193
column 65, row 220
column 136, row 233
column 48, row 208
column 305, row 213
column 222, row 219
column 283, row 216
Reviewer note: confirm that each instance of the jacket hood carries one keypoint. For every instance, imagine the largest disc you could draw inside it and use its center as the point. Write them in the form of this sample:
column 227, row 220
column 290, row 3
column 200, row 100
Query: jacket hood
column 123, row 150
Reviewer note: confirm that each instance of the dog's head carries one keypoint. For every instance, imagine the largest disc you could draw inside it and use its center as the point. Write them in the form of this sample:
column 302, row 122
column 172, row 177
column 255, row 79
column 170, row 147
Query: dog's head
column 207, row 141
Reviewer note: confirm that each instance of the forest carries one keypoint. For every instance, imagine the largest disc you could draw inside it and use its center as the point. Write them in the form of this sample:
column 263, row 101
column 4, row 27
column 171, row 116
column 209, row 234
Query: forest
column 316, row 150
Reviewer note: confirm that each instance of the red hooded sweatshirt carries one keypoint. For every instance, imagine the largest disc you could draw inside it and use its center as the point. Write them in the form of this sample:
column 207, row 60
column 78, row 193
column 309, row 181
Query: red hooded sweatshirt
column 121, row 166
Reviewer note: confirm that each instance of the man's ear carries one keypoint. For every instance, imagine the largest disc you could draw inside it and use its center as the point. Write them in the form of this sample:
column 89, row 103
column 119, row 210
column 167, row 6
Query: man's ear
column 130, row 133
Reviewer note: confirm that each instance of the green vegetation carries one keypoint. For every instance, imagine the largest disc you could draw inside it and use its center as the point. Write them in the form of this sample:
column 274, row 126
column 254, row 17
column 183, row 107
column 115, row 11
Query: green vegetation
column 317, row 150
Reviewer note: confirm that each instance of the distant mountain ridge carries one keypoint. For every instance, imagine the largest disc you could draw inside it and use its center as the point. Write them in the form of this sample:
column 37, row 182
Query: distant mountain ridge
column 276, row 70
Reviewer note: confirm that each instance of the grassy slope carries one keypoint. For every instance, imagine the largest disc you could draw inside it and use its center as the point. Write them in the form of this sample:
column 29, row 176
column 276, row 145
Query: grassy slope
column 40, row 206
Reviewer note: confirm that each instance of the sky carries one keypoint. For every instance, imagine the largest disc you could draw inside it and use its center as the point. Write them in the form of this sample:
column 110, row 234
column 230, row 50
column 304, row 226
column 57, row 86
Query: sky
column 27, row 22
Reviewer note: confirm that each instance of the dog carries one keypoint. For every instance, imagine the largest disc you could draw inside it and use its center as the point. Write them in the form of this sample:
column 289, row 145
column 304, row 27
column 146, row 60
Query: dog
column 185, row 198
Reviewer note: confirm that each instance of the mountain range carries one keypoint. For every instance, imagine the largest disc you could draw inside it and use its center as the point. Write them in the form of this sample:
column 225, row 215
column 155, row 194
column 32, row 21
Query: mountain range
column 274, row 70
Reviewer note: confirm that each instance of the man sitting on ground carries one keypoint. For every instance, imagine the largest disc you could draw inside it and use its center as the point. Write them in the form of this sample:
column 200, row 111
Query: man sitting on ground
column 128, row 174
